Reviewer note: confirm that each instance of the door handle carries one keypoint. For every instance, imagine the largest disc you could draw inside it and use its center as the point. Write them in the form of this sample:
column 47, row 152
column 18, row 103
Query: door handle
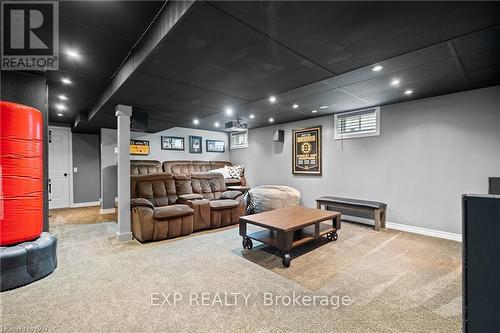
column 65, row 175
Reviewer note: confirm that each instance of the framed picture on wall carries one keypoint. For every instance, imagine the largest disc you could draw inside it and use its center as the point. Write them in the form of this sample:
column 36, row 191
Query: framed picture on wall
column 139, row 147
column 216, row 146
column 172, row 143
column 195, row 146
column 307, row 151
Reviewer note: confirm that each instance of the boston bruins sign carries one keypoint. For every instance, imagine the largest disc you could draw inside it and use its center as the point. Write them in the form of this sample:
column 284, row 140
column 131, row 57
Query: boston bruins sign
column 307, row 151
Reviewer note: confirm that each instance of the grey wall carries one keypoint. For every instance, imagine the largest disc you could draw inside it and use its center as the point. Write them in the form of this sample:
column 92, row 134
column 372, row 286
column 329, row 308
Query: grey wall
column 109, row 168
column 429, row 152
column 109, row 157
column 86, row 181
column 164, row 155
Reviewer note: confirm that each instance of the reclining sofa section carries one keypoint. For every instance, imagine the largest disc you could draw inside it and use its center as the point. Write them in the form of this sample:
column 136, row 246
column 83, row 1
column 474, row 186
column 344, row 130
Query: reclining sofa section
column 166, row 205
column 141, row 167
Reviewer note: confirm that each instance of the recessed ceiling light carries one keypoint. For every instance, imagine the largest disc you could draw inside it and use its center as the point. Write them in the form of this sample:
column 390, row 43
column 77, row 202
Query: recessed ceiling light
column 72, row 53
column 65, row 80
column 216, row 124
column 271, row 120
column 252, row 116
column 60, row 107
column 229, row 111
column 377, row 68
column 272, row 99
column 60, row 114
column 314, row 111
column 395, row 82
column 196, row 121
column 295, row 106
column 408, row 92
column 64, row 98
column 323, row 107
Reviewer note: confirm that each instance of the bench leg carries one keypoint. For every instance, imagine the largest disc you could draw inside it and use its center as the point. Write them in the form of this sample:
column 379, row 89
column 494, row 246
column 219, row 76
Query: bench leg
column 376, row 217
column 318, row 205
column 382, row 218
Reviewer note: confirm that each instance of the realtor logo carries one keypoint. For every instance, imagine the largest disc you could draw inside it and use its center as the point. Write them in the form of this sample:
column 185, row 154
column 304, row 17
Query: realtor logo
column 30, row 35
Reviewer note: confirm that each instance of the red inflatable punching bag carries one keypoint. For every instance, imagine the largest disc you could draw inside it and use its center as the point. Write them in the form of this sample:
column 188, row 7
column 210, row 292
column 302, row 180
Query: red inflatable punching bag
column 21, row 173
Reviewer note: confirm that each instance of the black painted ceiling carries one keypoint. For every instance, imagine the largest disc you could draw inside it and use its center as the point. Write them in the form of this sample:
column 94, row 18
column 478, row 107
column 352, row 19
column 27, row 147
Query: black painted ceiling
column 102, row 32
column 237, row 54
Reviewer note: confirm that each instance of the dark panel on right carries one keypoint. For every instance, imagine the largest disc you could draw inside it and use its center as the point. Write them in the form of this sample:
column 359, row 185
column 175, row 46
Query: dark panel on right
column 481, row 258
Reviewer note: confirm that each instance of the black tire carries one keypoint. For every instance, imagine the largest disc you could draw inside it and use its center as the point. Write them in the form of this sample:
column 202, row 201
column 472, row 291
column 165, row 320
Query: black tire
column 335, row 236
column 286, row 260
column 247, row 243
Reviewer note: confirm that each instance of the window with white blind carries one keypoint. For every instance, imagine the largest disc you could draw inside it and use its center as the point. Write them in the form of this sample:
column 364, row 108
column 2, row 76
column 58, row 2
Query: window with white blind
column 356, row 124
column 238, row 140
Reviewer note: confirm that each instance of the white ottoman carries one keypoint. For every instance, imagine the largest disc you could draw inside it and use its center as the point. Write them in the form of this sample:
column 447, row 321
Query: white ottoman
column 268, row 197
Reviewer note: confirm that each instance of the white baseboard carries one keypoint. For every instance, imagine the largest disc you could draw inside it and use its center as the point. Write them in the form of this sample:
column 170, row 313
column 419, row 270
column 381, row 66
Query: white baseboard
column 124, row 237
column 409, row 228
column 107, row 210
column 424, row 231
column 85, row 204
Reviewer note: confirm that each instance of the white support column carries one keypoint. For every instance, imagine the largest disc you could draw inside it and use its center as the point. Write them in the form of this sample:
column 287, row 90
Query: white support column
column 123, row 114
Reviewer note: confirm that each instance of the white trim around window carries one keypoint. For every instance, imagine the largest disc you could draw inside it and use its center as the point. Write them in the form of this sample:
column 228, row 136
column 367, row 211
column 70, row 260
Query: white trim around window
column 357, row 124
column 238, row 140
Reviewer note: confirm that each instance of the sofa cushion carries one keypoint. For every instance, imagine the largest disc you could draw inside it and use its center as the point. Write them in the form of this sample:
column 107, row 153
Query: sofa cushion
column 168, row 212
column 157, row 188
column 223, row 204
column 205, row 186
column 194, row 196
column 144, row 167
column 141, row 202
column 230, row 194
column 223, row 171
column 232, row 181
column 183, row 186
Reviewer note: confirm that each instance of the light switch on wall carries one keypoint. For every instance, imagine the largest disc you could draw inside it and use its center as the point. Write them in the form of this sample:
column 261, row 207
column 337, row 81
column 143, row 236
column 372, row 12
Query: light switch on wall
column 116, row 150
column 75, row 169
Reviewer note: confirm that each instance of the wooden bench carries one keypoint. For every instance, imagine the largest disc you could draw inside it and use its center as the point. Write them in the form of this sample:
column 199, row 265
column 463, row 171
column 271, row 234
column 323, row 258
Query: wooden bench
column 353, row 206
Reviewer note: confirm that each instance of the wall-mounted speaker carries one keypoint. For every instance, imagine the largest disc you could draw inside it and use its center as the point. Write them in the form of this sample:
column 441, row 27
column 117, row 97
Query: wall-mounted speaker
column 139, row 121
column 279, row 136
column 494, row 185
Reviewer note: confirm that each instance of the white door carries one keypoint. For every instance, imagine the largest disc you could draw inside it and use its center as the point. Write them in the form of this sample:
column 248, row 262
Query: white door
column 58, row 167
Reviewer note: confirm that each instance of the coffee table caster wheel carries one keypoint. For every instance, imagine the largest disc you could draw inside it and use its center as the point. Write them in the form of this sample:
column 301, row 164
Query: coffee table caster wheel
column 286, row 260
column 247, row 243
column 332, row 236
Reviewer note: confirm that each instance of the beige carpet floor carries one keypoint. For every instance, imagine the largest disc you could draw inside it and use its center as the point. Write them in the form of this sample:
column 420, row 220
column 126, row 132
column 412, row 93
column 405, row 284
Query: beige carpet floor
column 396, row 282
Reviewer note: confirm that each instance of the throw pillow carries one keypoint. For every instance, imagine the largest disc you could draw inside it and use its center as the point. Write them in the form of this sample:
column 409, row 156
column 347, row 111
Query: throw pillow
column 223, row 171
column 235, row 171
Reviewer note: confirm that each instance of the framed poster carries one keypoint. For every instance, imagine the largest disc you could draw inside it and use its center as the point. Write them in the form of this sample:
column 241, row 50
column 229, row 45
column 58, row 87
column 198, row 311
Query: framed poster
column 195, row 146
column 307, row 151
column 216, row 146
column 172, row 143
column 139, row 147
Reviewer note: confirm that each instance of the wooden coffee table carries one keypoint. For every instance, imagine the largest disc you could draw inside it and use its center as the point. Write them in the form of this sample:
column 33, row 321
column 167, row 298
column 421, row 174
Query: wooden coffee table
column 290, row 227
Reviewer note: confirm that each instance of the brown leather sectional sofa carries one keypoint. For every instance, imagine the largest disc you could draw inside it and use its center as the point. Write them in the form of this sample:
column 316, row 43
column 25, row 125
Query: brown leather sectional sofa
column 138, row 167
column 166, row 205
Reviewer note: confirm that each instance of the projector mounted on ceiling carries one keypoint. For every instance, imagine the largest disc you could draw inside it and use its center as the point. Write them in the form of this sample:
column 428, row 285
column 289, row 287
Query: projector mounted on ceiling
column 235, row 126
